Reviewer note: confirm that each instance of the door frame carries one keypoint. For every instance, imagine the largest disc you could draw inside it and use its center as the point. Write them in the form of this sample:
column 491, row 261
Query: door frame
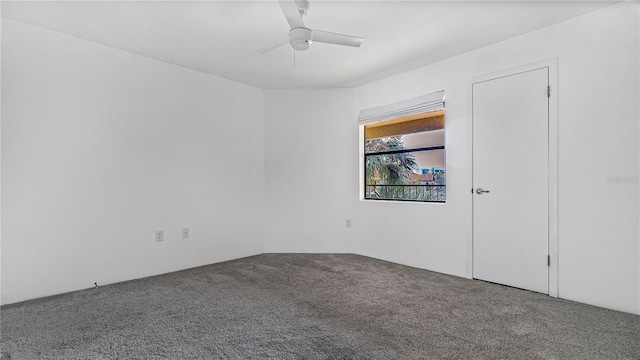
column 552, row 65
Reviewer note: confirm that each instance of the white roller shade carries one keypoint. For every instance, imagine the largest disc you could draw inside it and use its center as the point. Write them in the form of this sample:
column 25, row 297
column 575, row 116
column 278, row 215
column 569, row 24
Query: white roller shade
column 420, row 105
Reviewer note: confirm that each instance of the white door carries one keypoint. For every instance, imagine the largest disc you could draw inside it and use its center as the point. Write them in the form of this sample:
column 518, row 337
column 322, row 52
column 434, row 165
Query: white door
column 511, row 163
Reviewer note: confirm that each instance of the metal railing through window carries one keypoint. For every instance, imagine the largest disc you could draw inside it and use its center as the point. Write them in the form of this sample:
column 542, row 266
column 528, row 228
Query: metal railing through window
column 411, row 192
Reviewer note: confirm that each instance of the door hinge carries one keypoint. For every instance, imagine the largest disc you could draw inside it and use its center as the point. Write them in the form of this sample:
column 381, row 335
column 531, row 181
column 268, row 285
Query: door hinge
column 548, row 260
column 548, row 91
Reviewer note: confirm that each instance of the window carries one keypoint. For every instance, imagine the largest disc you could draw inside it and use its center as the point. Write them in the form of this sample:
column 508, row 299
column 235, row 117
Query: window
column 404, row 159
column 403, row 150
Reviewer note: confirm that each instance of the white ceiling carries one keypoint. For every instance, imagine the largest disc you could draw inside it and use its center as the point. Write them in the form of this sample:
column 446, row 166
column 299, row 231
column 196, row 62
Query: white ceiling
column 221, row 37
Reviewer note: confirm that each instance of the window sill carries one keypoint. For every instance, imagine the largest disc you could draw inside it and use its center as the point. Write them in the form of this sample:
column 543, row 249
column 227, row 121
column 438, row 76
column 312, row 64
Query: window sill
column 363, row 200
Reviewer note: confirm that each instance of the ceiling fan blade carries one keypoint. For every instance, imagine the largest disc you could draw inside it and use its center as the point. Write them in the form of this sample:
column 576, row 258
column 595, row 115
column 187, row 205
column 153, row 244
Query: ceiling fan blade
column 290, row 10
column 274, row 44
column 338, row 39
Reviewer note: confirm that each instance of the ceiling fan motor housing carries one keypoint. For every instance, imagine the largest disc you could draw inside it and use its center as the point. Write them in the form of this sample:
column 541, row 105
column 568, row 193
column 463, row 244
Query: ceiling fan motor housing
column 300, row 38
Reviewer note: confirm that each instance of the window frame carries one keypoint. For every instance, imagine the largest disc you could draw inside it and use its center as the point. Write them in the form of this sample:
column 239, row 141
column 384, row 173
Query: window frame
column 363, row 167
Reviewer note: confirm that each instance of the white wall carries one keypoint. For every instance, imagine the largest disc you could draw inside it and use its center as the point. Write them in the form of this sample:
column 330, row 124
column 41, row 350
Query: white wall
column 310, row 182
column 0, row 151
column 598, row 125
column 101, row 147
column 598, row 146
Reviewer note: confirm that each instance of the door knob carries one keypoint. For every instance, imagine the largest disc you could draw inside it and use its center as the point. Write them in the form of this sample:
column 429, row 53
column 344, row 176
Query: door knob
column 481, row 191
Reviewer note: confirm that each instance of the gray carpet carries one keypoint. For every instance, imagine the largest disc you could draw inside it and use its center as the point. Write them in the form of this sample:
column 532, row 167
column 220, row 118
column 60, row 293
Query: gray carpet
column 303, row 306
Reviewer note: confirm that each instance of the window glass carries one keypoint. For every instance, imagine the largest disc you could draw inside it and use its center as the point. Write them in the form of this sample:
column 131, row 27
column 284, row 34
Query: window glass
column 408, row 165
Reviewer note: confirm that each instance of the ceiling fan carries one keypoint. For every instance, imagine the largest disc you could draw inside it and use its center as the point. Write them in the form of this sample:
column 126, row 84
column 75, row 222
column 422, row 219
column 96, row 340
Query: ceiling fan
column 300, row 37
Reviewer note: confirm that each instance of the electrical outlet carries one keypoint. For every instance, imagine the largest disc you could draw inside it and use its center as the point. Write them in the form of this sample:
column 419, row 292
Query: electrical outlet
column 159, row 236
column 348, row 222
column 185, row 233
